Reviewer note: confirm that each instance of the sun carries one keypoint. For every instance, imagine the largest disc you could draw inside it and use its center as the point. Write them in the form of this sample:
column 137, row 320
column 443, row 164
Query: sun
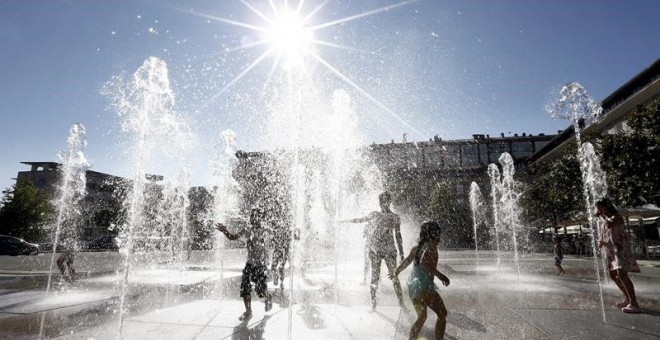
column 289, row 41
column 290, row 38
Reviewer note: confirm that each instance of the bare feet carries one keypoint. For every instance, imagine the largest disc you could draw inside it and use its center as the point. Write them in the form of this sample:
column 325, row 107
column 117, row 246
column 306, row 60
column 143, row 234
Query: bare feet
column 246, row 316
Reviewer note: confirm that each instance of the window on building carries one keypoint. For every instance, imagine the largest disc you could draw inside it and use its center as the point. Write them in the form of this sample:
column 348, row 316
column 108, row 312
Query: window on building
column 452, row 156
column 470, row 154
column 497, row 149
column 433, row 157
column 522, row 149
column 483, row 150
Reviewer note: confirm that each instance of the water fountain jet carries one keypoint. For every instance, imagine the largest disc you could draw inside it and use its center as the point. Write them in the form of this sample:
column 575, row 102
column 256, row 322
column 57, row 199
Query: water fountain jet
column 576, row 104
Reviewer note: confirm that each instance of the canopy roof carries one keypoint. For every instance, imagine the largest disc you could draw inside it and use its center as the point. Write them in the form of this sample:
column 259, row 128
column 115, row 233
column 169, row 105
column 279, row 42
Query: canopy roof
column 634, row 213
column 644, row 211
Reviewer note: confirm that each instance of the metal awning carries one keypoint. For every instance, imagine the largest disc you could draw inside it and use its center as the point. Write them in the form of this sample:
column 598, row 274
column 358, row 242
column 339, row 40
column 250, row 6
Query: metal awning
column 644, row 211
column 632, row 213
column 570, row 229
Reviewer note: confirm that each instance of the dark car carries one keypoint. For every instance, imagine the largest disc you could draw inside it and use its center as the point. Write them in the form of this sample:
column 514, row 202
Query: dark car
column 10, row 245
column 103, row 243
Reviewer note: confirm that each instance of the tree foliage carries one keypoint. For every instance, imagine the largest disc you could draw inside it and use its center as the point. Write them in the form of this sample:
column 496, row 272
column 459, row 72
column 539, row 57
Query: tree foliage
column 26, row 212
column 553, row 189
column 632, row 159
column 454, row 216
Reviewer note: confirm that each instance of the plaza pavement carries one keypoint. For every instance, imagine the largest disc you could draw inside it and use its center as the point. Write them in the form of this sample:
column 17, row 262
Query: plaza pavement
column 485, row 301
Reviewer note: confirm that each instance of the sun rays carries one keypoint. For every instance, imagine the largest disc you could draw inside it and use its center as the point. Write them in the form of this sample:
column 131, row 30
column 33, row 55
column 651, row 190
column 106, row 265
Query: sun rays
column 287, row 33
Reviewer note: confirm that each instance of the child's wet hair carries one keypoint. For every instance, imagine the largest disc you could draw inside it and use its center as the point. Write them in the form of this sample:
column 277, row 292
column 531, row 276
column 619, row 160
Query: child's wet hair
column 607, row 204
column 385, row 197
column 429, row 230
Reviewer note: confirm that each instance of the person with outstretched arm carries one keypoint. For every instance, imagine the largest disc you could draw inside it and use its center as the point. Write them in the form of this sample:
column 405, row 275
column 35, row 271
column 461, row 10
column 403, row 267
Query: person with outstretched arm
column 386, row 229
column 255, row 267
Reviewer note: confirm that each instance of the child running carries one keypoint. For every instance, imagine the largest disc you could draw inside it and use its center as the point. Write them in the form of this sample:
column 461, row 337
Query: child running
column 255, row 267
column 422, row 290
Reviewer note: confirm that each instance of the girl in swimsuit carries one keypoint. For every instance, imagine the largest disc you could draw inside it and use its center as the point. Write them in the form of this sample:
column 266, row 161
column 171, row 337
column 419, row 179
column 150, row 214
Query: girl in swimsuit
column 615, row 248
column 422, row 290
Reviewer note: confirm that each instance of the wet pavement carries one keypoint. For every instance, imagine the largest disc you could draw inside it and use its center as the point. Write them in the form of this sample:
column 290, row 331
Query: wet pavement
column 199, row 301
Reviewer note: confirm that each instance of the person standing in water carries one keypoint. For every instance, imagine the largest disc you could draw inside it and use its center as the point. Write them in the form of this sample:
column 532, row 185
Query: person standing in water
column 255, row 267
column 68, row 245
column 558, row 250
column 423, row 292
column 386, row 229
column 616, row 251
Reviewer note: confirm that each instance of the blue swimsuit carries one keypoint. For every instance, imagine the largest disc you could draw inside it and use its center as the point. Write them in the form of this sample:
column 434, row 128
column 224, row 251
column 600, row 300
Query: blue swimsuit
column 420, row 280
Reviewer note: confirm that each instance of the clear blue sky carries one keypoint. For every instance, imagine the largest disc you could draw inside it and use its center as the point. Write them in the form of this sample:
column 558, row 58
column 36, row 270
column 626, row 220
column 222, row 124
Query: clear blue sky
column 452, row 67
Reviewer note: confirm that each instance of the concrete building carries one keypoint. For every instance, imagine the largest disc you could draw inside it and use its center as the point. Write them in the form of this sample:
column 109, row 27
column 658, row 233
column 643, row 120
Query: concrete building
column 101, row 203
column 457, row 162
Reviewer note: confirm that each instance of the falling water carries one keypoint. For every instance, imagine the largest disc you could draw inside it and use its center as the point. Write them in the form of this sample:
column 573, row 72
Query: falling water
column 510, row 203
column 146, row 105
column 223, row 188
column 576, row 104
column 495, row 192
column 316, row 156
column 70, row 193
column 477, row 206
column 181, row 220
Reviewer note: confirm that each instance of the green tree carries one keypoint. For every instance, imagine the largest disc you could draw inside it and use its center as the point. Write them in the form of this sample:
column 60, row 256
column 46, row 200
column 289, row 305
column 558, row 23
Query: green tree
column 26, row 212
column 407, row 195
column 553, row 189
column 453, row 213
column 632, row 159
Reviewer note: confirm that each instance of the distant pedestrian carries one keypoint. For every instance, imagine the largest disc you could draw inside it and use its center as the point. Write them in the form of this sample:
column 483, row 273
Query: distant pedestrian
column 67, row 244
column 65, row 264
column 255, row 267
column 558, row 250
column 386, row 229
column 616, row 251
column 423, row 292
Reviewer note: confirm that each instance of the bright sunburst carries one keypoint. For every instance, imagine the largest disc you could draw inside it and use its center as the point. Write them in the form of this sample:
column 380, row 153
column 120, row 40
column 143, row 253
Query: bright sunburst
column 290, row 42
column 290, row 38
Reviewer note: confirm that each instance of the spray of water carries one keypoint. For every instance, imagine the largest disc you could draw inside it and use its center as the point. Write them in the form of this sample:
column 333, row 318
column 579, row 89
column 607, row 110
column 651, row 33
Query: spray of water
column 146, row 104
column 71, row 191
column 304, row 179
column 223, row 189
column 495, row 194
column 180, row 226
column 509, row 200
column 576, row 104
column 313, row 165
column 477, row 207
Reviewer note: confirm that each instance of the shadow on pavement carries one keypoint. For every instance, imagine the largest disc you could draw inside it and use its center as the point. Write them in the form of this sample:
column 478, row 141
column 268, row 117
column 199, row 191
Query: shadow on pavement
column 464, row 321
column 242, row 332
